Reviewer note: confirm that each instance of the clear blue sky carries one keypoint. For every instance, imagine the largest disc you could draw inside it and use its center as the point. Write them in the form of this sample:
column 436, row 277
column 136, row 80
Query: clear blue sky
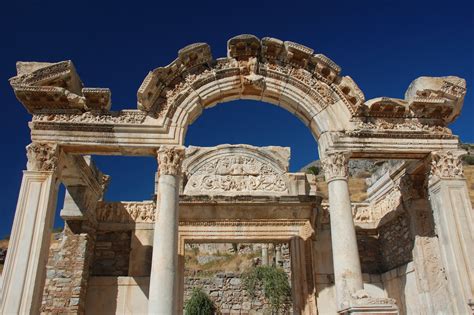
column 382, row 45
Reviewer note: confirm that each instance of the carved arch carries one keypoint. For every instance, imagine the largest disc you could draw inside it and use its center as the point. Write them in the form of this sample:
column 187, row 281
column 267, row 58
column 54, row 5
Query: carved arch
column 285, row 74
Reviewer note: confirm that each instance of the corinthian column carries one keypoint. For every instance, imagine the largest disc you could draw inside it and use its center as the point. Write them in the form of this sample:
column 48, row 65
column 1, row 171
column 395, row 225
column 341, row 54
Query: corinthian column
column 347, row 271
column 25, row 266
column 163, row 291
column 453, row 216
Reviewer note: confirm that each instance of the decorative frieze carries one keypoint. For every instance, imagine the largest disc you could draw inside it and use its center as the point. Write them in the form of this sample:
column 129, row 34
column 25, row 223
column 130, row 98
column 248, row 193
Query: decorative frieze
column 335, row 166
column 362, row 213
column 94, row 117
column 126, row 212
column 170, row 159
column 403, row 127
column 42, row 157
column 446, row 165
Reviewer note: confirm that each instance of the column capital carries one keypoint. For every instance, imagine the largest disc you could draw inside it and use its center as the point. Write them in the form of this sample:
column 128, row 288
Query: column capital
column 42, row 156
column 170, row 159
column 446, row 165
column 336, row 165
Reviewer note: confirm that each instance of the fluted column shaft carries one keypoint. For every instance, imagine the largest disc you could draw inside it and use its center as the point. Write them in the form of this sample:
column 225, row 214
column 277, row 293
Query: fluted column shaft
column 347, row 269
column 163, row 291
column 25, row 266
column 454, row 224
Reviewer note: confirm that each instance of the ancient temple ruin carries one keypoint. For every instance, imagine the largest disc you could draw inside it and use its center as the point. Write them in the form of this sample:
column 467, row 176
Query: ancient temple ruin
column 407, row 248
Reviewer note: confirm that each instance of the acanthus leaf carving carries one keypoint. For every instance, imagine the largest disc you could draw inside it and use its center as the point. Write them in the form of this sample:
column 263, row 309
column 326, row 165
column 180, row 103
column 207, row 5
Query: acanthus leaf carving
column 42, row 156
column 170, row 159
column 446, row 165
column 336, row 165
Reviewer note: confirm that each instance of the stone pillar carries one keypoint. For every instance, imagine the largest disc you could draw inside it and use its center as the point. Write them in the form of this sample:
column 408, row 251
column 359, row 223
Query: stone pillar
column 265, row 254
column 163, row 291
column 277, row 254
column 347, row 270
column 302, row 281
column 452, row 212
column 25, row 266
column 350, row 296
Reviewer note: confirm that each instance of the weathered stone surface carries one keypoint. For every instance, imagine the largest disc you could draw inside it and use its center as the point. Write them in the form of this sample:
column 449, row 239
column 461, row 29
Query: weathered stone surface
column 268, row 203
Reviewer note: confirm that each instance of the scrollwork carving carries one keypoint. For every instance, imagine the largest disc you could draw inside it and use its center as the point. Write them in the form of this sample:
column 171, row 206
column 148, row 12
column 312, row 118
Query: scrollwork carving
column 42, row 156
column 170, row 159
column 123, row 117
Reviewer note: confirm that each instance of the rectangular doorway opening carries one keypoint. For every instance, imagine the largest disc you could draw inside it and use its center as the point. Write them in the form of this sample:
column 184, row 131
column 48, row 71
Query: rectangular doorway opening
column 224, row 271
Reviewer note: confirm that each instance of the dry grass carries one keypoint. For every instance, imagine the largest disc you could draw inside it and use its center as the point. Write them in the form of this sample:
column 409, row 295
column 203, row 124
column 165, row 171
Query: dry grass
column 228, row 263
column 357, row 188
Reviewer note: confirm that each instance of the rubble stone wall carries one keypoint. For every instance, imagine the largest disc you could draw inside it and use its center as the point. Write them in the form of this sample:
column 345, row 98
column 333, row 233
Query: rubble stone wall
column 112, row 253
column 396, row 243
column 67, row 273
column 228, row 294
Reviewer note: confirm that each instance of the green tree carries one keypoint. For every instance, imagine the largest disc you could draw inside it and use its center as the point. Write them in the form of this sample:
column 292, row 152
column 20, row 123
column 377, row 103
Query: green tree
column 199, row 304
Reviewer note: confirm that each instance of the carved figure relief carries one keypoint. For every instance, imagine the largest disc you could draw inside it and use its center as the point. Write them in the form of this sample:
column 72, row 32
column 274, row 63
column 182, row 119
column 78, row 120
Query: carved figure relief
column 126, row 212
column 250, row 68
column 236, row 173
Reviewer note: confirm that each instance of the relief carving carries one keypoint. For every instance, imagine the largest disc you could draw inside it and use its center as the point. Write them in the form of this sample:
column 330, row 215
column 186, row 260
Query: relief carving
column 446, row 165
column 170, row 159
column 236, row 173
column 402, row 126
column 126, row 212
column 249, row 70
column 122, row 117
column 361, row 213
column 42, row 157
column 389, row 203
column 361, row 297
column 335, row 166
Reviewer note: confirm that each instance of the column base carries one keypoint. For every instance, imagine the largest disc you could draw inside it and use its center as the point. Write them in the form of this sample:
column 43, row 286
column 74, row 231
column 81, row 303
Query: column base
column 362, row 303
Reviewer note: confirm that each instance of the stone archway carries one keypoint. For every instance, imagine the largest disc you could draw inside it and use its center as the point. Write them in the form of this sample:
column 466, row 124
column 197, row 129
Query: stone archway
column 281, row 73
column 70, row 120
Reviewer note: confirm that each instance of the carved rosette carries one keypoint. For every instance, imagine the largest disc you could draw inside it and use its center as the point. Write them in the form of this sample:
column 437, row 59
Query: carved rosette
column 446, row 165
column 42, row 157
column 170, row 159
column 336, row 166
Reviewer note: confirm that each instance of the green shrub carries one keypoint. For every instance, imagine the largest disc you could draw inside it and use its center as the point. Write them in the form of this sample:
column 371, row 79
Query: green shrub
column 313, row 170
column 468, row 159
column 274, row 281
column 199, row 304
